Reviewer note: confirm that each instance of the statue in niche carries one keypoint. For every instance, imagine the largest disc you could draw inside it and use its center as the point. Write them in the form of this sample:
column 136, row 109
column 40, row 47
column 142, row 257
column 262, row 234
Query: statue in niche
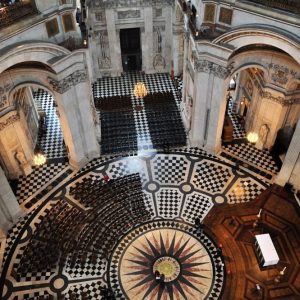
column 20, row 157
column 262, row 136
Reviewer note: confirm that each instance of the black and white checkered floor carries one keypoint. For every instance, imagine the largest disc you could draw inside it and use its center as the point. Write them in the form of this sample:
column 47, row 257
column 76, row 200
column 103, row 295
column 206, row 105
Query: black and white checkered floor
column 52, row 142
column 180, row 185
column 124, row 86
column 238, row 130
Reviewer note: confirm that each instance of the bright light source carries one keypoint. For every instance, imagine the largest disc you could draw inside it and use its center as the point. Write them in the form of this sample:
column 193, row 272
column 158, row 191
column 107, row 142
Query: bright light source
column 140, row 90
column 252, row 137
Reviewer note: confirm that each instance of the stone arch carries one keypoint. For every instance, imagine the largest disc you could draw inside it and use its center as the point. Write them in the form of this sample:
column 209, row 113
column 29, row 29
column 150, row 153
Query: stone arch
column 69, row 93
column 42, row 52
column 261, row 34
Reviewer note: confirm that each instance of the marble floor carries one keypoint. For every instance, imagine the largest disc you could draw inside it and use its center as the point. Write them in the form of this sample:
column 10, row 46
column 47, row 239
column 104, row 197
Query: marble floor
column 176, row 188
column 81, row 233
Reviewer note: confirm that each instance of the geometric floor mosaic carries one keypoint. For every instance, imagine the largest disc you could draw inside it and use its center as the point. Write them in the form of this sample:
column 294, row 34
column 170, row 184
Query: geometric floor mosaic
column 178, row 187
column 188, row 260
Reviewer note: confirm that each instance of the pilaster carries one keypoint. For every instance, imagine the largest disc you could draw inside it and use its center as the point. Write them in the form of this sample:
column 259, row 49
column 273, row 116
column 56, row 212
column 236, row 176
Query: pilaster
column 290, row 168
column 10, row 210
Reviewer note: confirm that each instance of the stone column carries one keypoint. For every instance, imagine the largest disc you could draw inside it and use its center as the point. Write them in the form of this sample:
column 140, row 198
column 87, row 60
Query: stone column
column 114, row 43
column 178, row 42
column 200, row 109
column 185, row 56
column 210, row 90
column 76, row 117
column 10, row 210
column 290, row 168
column 147, row 41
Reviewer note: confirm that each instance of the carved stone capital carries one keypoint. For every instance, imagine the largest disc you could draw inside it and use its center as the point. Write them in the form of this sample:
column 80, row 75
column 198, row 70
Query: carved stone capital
column 71, row 80
column 10, row 120
column 206, row 66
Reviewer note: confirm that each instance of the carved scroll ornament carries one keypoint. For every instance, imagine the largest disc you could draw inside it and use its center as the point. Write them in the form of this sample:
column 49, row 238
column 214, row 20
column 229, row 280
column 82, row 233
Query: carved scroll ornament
column 71, row 80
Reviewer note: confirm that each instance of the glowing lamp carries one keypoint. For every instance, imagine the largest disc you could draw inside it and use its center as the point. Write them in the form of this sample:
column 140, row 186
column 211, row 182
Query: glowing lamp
column 140, row 90
column 252, row 137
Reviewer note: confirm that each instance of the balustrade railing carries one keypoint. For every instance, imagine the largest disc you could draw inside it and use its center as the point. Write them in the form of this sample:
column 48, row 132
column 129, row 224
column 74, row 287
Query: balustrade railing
column 11, row 12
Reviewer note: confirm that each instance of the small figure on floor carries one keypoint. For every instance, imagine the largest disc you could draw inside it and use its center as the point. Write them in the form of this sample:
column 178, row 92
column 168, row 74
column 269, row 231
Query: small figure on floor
column 157, row 276
column 106, row 178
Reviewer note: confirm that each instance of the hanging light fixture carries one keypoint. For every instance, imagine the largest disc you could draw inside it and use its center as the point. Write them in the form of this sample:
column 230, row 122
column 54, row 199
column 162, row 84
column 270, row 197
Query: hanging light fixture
column 39, row 158
column 252, row 137
column 140, row 90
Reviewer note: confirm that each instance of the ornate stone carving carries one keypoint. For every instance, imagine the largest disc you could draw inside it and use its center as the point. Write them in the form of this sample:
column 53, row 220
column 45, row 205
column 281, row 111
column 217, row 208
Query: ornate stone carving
column 281, row 100
column 65, row 84
column 129, row 3
column 281, row 74
column 159, row 62
column 158, row 38
column 158, row 12
column 100, row 16
column 209, row 13
column 225, row 15
column 104, row 63
column 129, row 14
column 12, row 119
column 210, row 67
column 3, row 95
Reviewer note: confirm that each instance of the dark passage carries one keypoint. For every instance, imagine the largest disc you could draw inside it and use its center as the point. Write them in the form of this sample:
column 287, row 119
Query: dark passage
column 131, row 49
column 117, row 124
column 164, row 121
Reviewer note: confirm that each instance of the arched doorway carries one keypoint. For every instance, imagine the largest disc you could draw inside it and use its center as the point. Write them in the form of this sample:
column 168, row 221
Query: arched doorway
column 261, row 109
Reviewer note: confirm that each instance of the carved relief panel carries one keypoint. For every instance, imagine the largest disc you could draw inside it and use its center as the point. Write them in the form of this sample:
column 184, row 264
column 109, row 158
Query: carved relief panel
column 5, row 87
column 104, row 59
column 159, row 62
column 209, row 13
column 129, row 14
column 225, row 15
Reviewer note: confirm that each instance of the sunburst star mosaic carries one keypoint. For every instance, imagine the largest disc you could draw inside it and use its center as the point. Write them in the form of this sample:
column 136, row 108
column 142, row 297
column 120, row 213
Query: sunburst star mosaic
column 179, row 255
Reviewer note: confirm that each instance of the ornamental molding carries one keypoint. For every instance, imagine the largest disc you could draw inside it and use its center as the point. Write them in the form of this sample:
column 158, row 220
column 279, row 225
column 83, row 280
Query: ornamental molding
column 129, row 14
column 3, row 95
column 281, row 100
column 202, row 65
column 10, row 120
column 280, row 74
column 71, row 80
column 108, row 4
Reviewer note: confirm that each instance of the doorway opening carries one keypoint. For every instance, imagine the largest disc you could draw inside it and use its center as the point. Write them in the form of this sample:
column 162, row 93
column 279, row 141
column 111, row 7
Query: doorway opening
column 131, row 51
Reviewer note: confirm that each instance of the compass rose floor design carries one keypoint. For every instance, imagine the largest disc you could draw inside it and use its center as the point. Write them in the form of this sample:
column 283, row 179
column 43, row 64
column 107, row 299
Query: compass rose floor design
column 174, row 188
column 176, row 251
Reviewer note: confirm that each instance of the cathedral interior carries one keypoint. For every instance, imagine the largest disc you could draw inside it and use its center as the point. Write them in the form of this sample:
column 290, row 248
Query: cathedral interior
column 150, row 149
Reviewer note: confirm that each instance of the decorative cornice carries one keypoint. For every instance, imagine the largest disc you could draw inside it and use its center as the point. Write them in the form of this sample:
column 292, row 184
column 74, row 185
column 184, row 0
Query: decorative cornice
column 107, row 4
column 281, row 100
column 206, row 66
column 10, row 120
column 71, row 80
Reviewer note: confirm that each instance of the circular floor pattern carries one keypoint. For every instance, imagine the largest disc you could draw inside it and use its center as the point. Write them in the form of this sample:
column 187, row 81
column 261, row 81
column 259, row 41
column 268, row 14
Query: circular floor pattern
column 175, row 250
